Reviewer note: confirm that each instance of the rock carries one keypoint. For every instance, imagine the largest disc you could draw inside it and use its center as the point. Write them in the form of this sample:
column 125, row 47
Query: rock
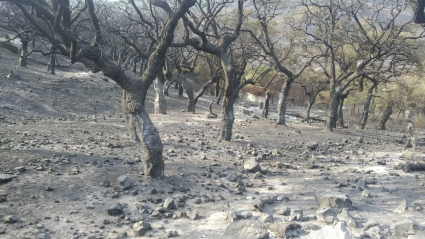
column 361, row 184
column 369, row 224
column 251, row 165
column 327, row 215
column 13, row 76
column 5, row 177
column 285, row 230
column 346, row 217
column 10, row 218
column 246, row 229
column 244, row 112
column 219, row 183
column 171, row 233
column 230, row 215
column 267, row 218
column 312, row 145
column 418, row 235
column 232, row 177
column 169, row 204
column 333, row 200
column 243, row 215
column 116, row 210
column 339, row 231
column 20, row 169
column 296, row 214
column 401, row 207
column 276, row 153
column 366, row 193
column 192, row 215
column 124, row 182
column 286, row 211
column 406, row 227
column 241, row 186
column 140, row 228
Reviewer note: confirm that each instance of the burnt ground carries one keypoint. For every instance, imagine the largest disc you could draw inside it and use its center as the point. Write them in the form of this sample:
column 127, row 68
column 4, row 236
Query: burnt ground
column 68, row 132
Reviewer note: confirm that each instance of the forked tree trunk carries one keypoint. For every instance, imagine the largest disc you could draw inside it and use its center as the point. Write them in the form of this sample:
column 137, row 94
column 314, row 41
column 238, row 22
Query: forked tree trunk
column 366, row 107
column 341, row 111
column 385, row 116
column 283, row 95
column 24, row 53
column 160, row 106
column 266, row 105
column 144, row 131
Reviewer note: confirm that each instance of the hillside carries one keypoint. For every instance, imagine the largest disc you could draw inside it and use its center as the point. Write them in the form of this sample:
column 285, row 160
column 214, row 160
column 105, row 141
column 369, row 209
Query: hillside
column 64, row 141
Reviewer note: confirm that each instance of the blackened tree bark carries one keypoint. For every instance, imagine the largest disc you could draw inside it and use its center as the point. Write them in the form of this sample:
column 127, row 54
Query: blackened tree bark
column 52, row 61
column 341, row 110
column 24, row 53
column 366, row 107
column 160, row 106
column 385, row 116
column 266, row 105
column 220, row 95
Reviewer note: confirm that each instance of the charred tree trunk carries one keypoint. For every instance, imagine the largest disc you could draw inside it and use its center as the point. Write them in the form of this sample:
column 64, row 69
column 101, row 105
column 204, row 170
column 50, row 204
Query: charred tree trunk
column 135, row 65
column 217, row 88
column 144, row 131
column 202, row 90
column 180, row 87
column 385, row 116
column 220, row 95
column 24, row 53
column 366, row 107
column 52, row 61
column 160, row 106
column 266, row 105
column 332, row 112
column 341, row 110
column 283, row 95
column 228, row 116
column 167, row 86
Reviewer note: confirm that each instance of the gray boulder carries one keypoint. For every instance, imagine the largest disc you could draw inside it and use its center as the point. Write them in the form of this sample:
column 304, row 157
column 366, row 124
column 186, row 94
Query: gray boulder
column 333, row 200
column 140, row 228
column 406, row 227
column 327, row 215
column 339, row 231
column 246, row 229
column 251, row 165
column 124, row 182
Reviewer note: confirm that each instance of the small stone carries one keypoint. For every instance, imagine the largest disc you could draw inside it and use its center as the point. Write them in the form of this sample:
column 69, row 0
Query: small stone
column 20, row 169
column 366, row 193
column 249, row 229
column 232, row 177
column 406, row 227
column 327, row 215
column 106, row 183
column 361, row 184
column 193, row 215
column 401, row 207
column 333, row 200
column 251, row 165
column 5, row 177
column 140, row 228
column 171, row 233
column 219, row 183
column 169, row 204
column 346, row 217
column 296, row 214
column 285, row 230
column 106, row 221
column 268, row 218
column 124, row 182
column 48, row 189
column 10, row 218
column 116, row 210
column 312, row 145
column 339, row 231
